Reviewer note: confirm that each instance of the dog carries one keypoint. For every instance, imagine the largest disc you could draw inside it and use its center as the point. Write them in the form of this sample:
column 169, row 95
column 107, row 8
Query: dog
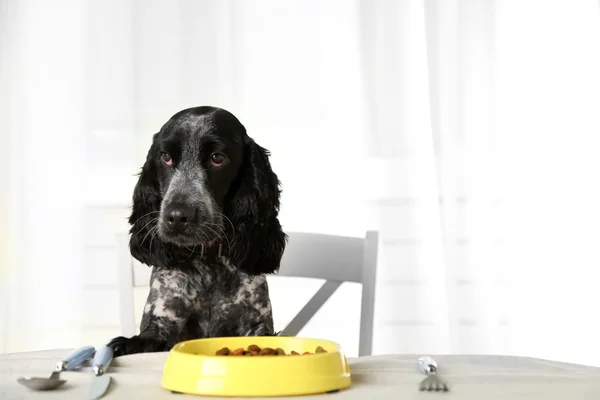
column 205, row 218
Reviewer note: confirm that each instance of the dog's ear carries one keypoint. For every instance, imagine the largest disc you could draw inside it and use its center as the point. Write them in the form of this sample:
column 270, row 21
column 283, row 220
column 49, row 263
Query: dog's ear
column 143, row 243
column 252, row 205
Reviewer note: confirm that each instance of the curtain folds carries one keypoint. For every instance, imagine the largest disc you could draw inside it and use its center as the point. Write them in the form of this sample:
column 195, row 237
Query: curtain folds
column 466, row 132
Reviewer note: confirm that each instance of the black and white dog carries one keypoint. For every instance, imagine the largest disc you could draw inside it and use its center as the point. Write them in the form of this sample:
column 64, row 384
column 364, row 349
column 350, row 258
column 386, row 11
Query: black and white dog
column 205, row 219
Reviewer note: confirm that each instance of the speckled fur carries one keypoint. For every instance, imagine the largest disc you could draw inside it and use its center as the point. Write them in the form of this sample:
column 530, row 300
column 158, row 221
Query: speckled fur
column 192, row 296
column 198, row 302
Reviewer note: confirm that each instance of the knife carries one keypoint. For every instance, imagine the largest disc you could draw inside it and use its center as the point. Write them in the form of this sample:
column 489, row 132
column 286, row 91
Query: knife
column 100, row 381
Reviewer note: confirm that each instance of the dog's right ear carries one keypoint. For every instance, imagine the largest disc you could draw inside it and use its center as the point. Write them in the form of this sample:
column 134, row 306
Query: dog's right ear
column 143, row 243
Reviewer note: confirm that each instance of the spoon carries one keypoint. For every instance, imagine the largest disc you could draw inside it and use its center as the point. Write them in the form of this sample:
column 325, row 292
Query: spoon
column 69, row 363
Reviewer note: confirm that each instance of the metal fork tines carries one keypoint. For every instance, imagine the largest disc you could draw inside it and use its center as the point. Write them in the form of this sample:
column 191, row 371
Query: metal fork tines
column 428, row 366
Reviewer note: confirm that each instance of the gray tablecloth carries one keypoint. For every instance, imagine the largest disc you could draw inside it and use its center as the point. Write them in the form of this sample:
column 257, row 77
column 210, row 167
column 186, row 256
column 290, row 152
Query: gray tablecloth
column 373, row 378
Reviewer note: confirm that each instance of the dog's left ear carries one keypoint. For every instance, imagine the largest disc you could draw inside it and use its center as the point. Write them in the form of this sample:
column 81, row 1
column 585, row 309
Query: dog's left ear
column 257, row 241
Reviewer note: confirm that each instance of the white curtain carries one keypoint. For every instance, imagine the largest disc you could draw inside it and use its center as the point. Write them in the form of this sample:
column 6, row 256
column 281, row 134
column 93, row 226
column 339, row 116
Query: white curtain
column 464, row 131
column 42, row 123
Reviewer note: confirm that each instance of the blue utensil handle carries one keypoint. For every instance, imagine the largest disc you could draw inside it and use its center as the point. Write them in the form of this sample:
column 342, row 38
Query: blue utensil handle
column 78, row 357
column 102, row 359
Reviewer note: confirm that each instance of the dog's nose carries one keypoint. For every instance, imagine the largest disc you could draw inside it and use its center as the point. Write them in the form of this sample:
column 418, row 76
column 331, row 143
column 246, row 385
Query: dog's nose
column 179, row 215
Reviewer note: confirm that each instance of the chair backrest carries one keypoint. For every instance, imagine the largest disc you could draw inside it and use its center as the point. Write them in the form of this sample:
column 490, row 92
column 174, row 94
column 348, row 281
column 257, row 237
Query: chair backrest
column 335, row 259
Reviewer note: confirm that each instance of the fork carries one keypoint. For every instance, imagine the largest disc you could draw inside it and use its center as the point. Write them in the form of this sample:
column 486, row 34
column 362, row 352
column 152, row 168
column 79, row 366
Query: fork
column 428, row 366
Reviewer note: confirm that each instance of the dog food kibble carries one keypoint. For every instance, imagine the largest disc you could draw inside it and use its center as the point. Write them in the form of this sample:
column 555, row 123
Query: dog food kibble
column 254, row 350
column 238, row 352
column 280, row 352
column 267, row 352
column 223, row 352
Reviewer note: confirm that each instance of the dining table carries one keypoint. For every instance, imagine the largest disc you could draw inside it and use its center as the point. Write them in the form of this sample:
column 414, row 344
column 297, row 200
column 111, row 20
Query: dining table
column 379, row 377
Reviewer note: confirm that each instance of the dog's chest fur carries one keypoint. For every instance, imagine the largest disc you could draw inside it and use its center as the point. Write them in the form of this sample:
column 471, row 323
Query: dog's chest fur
column 210, row 300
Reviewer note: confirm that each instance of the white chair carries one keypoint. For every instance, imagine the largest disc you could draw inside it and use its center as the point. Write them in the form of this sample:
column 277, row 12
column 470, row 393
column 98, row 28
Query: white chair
column 335, row 259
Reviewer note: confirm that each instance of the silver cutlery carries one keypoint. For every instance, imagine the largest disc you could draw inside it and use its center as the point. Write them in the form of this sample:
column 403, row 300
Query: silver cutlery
column 69, row 363
column 100, row 381
column 428, row 366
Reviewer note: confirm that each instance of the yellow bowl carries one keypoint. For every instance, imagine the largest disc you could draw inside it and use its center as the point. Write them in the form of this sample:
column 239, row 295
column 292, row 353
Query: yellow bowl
column 193, row 368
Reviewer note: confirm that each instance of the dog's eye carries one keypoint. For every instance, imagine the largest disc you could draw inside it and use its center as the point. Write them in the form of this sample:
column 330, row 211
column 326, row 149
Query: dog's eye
column 166, row 157
column 218, row 159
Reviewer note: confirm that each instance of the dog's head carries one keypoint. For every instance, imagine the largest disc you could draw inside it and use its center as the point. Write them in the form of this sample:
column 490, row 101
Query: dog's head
column 204, row 181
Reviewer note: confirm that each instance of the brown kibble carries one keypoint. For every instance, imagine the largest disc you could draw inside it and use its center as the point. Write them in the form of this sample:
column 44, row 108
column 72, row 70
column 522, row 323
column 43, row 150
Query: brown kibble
column 280, row 352
column 267, row 351
column 253, row 348
column 238, row 352
column 223, row 352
